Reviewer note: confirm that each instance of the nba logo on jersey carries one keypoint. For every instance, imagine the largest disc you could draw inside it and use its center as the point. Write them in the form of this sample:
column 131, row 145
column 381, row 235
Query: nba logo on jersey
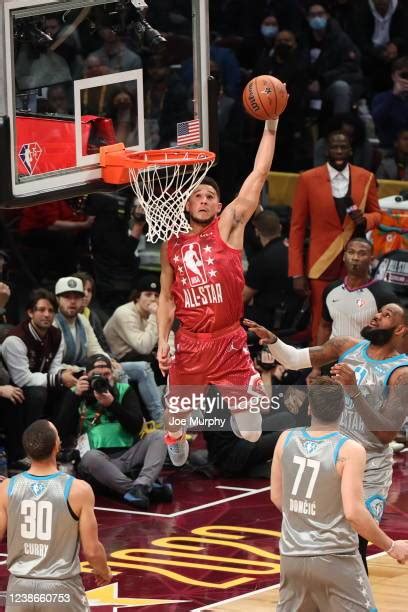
column 310, row 447
column 194, row 264
column 29, row 155
column 375, row 507
column 38, row 488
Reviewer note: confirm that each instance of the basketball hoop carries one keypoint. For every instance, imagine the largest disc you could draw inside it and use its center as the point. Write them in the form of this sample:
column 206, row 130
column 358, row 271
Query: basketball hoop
column 162, row 180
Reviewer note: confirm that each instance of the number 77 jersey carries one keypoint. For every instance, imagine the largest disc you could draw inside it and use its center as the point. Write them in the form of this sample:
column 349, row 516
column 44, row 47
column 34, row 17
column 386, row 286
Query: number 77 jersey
column 42, row 531
column 313, row 521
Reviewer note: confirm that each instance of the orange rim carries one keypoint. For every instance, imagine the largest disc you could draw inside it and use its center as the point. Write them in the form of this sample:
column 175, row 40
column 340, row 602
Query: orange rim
column 116, row 160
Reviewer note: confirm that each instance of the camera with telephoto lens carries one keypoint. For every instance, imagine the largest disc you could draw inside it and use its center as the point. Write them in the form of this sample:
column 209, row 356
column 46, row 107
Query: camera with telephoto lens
column 99, row 384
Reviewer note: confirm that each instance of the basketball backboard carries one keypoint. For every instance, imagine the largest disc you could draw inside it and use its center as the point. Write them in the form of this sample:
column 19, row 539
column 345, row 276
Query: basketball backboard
column 79, row 74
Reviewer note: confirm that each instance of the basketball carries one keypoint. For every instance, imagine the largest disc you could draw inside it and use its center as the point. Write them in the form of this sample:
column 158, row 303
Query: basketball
column 265, row 97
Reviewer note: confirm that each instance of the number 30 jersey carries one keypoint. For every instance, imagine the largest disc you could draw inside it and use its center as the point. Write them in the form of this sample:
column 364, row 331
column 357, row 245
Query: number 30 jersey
column 313, row 521
column 42, row 531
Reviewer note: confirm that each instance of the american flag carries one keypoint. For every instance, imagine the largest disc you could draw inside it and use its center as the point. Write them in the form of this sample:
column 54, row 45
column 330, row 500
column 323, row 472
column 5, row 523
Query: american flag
column 188, row 132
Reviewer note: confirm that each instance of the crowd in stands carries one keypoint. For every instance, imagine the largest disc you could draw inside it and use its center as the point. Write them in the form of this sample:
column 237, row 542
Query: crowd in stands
column 85, row 308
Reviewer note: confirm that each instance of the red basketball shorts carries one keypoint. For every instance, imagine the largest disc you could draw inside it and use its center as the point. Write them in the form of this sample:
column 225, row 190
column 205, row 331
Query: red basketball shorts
column 221, row 359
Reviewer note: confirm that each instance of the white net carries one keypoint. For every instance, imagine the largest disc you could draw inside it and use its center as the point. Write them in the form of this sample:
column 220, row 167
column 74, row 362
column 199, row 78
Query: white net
column 163, row 191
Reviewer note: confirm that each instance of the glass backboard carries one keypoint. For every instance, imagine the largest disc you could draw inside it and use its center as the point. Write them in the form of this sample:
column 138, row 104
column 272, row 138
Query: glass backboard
column 79, row 74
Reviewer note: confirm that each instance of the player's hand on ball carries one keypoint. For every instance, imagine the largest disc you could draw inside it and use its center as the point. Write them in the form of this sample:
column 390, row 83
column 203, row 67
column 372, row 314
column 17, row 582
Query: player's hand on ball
column 266, row 336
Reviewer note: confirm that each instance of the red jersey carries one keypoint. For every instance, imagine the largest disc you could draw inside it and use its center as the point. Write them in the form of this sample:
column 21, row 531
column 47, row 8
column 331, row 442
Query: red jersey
column 208, row 280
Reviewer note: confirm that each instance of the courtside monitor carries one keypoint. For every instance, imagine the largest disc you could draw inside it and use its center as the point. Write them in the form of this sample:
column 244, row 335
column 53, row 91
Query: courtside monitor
column 76, row 75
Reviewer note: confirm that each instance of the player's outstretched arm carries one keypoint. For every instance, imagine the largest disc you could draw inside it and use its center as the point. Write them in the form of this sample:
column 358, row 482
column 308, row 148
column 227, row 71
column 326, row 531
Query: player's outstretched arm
column 3, row 507
column 166, row 310
column 237, row 214
column 351, row 465
column 276, row 472
column 299, row 359
column 82, row 502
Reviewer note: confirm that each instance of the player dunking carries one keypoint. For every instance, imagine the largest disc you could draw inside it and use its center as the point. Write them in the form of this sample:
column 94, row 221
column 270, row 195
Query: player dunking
column 317, row 483
column 201, row 285
column 47, row 515
column 375, row 377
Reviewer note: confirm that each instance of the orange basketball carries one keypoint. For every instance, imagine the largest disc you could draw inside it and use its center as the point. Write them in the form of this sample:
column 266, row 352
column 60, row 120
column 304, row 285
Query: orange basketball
column 264, row 97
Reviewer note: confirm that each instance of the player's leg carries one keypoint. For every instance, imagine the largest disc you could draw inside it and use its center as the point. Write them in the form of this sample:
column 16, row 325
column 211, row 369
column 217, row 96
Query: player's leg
column 185, row 386
column 240, row 385
column 294, row 595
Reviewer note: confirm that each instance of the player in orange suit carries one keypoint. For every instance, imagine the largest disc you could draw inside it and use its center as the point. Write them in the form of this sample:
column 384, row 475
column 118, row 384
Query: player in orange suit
column 337, row 201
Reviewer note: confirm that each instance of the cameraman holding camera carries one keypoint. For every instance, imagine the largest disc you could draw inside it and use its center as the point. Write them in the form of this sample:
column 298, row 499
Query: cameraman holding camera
column 109, row 419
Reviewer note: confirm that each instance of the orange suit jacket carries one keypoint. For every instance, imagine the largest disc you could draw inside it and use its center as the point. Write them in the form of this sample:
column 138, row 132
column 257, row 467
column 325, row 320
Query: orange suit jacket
column 314, row 206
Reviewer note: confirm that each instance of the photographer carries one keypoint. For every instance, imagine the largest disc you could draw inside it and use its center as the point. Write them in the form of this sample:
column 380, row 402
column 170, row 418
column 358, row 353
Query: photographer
column 110, row 420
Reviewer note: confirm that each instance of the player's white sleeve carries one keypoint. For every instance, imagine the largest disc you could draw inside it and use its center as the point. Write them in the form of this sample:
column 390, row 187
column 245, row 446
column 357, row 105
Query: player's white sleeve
column 289, row 356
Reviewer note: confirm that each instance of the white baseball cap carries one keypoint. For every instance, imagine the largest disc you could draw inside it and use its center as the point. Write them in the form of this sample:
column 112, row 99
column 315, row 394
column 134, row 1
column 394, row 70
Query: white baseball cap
column 68, row 284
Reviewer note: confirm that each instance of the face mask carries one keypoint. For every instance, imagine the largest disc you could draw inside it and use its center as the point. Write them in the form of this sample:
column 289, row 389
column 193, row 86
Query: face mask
column 269, row 31
column 318, row 23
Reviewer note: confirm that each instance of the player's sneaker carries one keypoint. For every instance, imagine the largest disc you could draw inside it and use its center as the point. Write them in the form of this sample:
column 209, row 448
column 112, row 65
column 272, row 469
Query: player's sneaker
column 177, row 448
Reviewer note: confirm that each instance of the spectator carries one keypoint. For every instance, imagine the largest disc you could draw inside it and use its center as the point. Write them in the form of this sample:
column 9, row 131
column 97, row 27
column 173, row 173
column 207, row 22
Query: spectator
column 165, row 101
column 139, row 373
column 334, row 62
column 337, row 200
column 112, row 422
column 57, row 228
column 32, row 353
column 344, row 12
column 114, row 239
column 93, row 317
column 381, row 34
column 132, row 329
column 268, row 293
column 350, row 304
column 122, row 109
column 363, row 153
column 58, row 101
column 395, row 167
column 66, row 43
column 286, row 63
column 114, row 53
column 390, row 108
column 78, row 338
column 4, row 298
column 269, row 30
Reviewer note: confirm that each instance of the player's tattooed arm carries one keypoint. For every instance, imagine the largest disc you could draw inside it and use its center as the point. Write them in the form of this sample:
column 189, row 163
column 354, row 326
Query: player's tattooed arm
column 330, row 351
column 386, row 423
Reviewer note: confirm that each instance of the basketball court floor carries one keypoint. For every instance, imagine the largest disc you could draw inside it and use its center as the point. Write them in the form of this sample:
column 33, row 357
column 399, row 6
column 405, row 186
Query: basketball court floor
column 216, row 548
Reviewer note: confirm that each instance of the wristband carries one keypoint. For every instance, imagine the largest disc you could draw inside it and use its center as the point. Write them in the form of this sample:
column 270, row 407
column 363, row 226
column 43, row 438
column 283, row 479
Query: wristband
column 355, row 395
column 391, row 548
column 272, row 125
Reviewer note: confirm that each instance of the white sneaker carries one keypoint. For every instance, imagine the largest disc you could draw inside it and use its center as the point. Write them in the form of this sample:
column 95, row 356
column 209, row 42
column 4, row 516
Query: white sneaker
column 396, row 447
column 177, row 449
